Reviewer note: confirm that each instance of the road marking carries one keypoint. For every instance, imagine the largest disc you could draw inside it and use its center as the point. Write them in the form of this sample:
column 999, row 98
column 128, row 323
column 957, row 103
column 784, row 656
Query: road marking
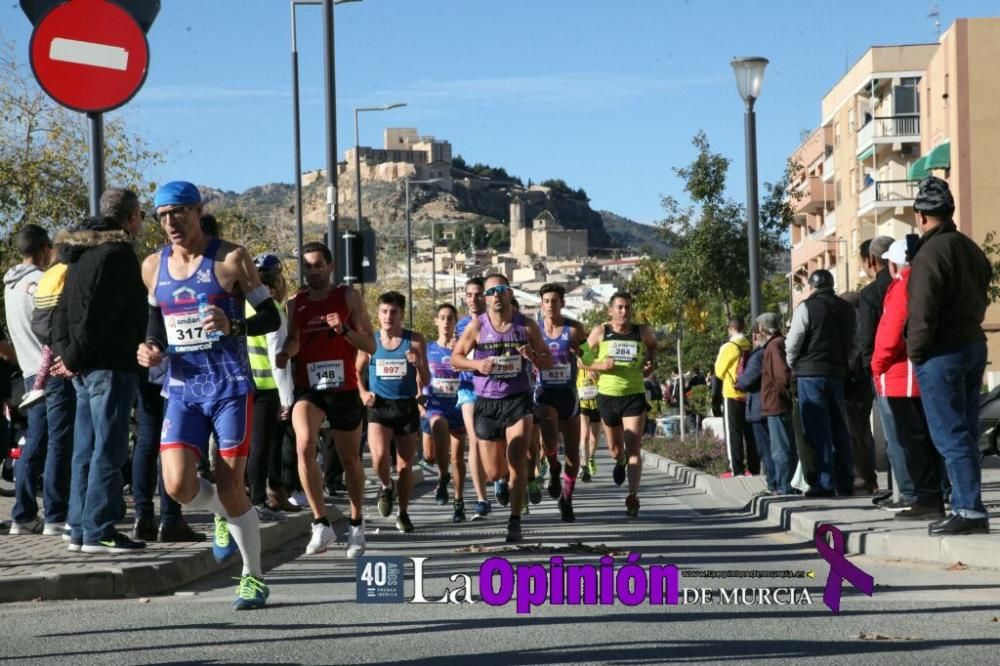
column 88, row 53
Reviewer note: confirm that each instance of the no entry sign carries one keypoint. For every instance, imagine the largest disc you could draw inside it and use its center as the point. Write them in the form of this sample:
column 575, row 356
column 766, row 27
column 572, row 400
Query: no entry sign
column 89, row 55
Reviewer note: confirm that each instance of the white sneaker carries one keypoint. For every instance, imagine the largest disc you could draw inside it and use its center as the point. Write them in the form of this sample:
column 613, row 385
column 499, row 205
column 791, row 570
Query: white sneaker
column 55, row 529
column 355, row 540
column 33, row 526
column 322, row 536
column 299, row 499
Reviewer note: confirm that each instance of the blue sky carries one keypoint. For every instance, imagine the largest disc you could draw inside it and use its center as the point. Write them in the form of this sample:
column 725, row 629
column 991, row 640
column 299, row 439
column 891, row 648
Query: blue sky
column 605, row 95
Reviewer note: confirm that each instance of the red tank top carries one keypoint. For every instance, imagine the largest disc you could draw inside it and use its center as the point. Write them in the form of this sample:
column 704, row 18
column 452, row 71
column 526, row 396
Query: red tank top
column 325, row 361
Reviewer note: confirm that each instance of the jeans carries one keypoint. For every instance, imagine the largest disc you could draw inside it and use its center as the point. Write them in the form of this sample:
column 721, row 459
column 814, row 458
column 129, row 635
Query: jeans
column 783, row 457
column 897, row 455
column 146, row 477
column 859, row 425
column 28, row 468
column 822, row 405
column 60, row 408
column 762, row 442
column 923, row 462
column 950, row 384
column 104, row 400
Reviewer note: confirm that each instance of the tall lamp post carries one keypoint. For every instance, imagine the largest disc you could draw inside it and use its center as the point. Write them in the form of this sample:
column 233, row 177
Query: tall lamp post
column 749, row 79
column 409, row 242
column 357, row 148
column 331, row 126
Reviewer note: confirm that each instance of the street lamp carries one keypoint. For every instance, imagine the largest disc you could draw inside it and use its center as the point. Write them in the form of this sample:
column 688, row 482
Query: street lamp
column 409, row 241
column 749, row 79
column 331, row 126
column 357, row 147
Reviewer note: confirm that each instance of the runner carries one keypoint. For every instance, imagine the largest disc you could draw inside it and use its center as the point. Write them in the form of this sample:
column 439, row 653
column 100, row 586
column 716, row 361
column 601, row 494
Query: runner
column 500, row 341
column 621, row 394
column 443, row 415
column 197, row 287
column 326, row 327
column 476, row 304
column 590, row 417
column 392, row 373
column 559, row 405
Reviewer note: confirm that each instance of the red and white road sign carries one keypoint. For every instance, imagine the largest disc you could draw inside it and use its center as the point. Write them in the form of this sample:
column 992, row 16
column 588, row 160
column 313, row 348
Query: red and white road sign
column 89, row 55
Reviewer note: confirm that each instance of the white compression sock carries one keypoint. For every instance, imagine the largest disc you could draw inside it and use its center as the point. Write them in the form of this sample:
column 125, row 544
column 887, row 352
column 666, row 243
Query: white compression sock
column 207, row 499
column 245, row 530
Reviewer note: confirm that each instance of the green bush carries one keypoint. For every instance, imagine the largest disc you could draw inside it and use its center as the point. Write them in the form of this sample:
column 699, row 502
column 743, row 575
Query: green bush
column 704, row 452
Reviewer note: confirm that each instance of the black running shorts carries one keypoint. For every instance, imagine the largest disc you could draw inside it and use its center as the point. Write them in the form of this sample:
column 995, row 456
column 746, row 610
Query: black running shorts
column 400, row 416
column 493, row 416
column 343, row 409
column 613, row 408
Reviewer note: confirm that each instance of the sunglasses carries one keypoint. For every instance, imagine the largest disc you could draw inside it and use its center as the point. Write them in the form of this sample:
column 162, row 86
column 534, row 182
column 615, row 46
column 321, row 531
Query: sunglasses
column 496, row 290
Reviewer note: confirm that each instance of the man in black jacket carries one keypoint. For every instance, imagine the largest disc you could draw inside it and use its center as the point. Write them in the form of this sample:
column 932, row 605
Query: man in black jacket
column 99, row 321
column 948, row 291
column 818, row 348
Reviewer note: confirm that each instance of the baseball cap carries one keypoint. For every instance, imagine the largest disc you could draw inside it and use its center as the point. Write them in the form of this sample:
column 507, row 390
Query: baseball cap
column 267, row 262
column 897, row 252
column 176, row 193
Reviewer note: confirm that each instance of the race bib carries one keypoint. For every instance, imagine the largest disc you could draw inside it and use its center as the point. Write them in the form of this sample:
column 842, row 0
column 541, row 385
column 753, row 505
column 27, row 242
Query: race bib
column 445, row 387
column 324, row 375
column 557, row 374
column 624, row 352
column 506, row 366
column 390, row 368
column 588, row 393
column 185, row 333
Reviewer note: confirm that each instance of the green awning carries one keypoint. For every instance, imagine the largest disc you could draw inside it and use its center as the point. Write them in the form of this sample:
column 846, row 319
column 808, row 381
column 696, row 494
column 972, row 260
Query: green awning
column 868, row 153
column 938, row 158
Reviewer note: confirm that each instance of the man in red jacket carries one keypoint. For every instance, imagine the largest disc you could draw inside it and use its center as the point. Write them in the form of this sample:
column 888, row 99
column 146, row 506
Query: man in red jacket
column 896, row 381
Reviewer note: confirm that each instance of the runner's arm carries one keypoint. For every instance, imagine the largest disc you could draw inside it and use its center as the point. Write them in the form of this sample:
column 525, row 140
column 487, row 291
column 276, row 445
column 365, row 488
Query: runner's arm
column 359, row 333
column 464, row 347
column 291, row 346
column 541, row 356
column 150, row 351
column 419, row 347
column 266, row 318
column 594, row 341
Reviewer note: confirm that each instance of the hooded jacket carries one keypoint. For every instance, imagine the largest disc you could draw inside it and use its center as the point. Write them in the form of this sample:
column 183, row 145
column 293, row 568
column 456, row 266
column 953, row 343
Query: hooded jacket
column 19, row 285
column 101, row 316
column 727, row 363
column 948, row 293
column 892, row 371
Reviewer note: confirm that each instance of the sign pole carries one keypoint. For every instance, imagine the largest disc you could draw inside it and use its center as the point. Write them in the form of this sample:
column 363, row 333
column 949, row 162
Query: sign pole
column 96, row 121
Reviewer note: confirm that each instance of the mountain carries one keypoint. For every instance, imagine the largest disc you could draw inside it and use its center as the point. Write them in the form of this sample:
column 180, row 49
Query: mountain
column 644, row 238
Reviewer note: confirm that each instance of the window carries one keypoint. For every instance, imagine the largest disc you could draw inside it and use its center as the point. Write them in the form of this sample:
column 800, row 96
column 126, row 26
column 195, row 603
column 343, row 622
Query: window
column 836, row 188
column 836, row 134
column 906, row 97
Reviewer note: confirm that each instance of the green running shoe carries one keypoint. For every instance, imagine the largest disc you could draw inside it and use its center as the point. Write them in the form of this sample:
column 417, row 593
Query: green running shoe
column 223, row 546
column 251, row 593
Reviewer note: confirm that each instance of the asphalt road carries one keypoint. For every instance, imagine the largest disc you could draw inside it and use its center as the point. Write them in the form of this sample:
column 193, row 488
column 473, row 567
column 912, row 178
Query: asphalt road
column 918, row 613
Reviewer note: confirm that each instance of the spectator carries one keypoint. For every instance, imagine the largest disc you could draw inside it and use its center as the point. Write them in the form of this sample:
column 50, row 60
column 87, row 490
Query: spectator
column 948, row 295
column 739, row 436
column 20, row 284
column 869, row 314
column 98, row 323
column 894, row 379
column 776, row 403
column 818, row 348
column 749, row 382
column 858, row 397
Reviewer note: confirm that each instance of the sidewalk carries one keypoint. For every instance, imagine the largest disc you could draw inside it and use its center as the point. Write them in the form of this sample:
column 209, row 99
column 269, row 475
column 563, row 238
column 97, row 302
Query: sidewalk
column 868, row 529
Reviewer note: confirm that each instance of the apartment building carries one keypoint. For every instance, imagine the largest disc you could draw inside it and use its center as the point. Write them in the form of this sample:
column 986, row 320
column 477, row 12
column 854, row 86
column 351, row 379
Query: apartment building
column 900, row 114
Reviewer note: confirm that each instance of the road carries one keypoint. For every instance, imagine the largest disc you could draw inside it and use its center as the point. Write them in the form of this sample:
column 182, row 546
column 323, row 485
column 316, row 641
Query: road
column 917, row 612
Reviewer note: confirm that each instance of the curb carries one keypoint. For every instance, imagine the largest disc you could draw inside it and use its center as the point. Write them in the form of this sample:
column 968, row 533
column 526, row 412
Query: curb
column 863, row 527
column 148, row 578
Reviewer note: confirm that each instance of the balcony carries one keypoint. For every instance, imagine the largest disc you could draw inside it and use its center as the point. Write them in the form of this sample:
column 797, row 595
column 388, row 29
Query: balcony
column 886, row 194
column 828, row 167
column 811, row 196
column 887, row 129
column 829, row 223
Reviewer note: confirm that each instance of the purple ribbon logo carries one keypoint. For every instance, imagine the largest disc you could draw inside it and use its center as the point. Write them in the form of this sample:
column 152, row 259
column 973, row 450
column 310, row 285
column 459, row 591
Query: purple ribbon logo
column 840, row 568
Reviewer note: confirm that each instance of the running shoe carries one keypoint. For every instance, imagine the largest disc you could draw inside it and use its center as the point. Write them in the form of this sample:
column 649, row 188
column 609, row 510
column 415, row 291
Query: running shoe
column 619, row 472
column 882, row 498
column 441, row 496
column 534, row 492
column 566, row 510
column 585, row 475
column 632, row 506
column 459, row 515
column 482, row 510
column 555, row 482
column 299, row 499
column 268, row 515
column 403, row 523
column 514, row 534
column 55, row 529
column 223, row 545
column 116, row 544
column 251, row 593
column 355, row 540
column 33, row 526
column 502, row 492
column 75, row 545
column 592, row 466
column 322, row 537
column 543, row 466
column 385, row 497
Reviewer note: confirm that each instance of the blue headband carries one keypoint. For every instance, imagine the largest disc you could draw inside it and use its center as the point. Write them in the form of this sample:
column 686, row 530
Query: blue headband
column 176, row 193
